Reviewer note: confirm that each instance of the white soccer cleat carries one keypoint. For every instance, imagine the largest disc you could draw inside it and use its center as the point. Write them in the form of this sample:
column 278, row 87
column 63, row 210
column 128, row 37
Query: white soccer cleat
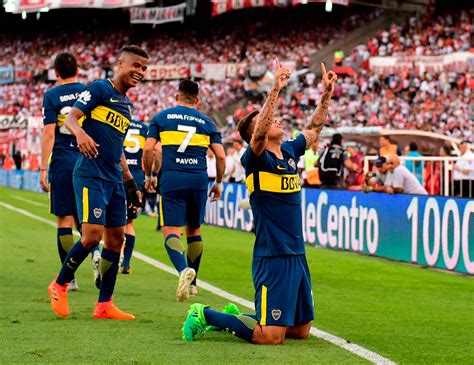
column 95, row 268
column 185, row 279
column 193, row 291
column 72, row 286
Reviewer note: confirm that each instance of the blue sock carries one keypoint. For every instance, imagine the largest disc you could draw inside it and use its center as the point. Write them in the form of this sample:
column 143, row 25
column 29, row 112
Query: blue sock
column 241, row 326
column 74, row 258
column 175, row 250
column 108, row 268
column 194, row 254
column 65, row 241
column 128, row 249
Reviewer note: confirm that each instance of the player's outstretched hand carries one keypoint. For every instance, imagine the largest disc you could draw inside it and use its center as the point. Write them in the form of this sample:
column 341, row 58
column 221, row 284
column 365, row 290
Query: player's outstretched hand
column 44, row 181
column 134, row 195
column 282, row 75
column 329, row 78
column 151, row 184
column 215, row 192
column 87, row 145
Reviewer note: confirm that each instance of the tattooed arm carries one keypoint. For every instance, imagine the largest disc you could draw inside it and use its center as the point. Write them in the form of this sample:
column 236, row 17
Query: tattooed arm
column 318, row 118
column 265, row 116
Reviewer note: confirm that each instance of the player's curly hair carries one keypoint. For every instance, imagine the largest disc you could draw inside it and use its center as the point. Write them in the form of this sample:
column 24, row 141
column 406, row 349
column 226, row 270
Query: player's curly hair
column 132, row 48
column 246, row 125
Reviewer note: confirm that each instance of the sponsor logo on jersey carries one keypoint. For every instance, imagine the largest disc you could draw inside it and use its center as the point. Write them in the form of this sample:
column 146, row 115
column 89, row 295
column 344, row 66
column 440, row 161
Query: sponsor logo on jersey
column 187, row 161
column 281, row 168
column 186, row 117
column 69, row 97
column 85, row 97
column 111, row 117
column 132, row 161
column 112, row 100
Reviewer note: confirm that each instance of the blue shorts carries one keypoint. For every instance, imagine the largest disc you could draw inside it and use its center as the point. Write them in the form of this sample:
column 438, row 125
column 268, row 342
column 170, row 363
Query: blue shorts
column 62, row 201
column 100, row 201
column 183, row 208
column 283, row 295
column 130, row 213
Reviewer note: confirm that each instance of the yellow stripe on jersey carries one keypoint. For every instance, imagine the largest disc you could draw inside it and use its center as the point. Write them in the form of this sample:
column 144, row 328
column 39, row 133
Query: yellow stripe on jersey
column 274, row 183
column 111, row 117
column 62, row 119
column 85, row 205
column 250, row 184
column 131, row 142
column 263, row 306
column 176, row 138
column 162, row 218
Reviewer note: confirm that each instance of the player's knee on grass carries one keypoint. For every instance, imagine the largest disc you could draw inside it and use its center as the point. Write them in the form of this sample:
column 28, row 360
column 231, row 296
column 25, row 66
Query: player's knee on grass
column 300, row 332
column 269, row 335
column 91, row 235
column 66, row 221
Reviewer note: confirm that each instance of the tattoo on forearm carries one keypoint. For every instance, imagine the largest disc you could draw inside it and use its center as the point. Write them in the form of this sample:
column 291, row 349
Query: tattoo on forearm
column 265, row 117
column 320, row 115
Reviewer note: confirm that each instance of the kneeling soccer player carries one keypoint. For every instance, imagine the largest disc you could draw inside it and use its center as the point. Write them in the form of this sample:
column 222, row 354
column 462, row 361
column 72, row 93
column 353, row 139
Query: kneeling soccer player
column 283, row 299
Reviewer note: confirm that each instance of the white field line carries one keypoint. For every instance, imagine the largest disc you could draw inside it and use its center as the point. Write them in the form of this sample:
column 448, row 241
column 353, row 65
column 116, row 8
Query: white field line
column 351, row 347
column 32, row 202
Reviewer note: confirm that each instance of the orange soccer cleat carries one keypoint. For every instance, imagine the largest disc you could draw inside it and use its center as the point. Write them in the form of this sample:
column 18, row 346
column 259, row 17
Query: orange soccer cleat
column 58, row 296
column 107, row 310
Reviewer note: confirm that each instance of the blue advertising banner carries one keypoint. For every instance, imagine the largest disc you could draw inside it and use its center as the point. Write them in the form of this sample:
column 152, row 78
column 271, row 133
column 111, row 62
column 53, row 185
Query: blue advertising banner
column 7, row 75
column 20, row 179
column 427, row 230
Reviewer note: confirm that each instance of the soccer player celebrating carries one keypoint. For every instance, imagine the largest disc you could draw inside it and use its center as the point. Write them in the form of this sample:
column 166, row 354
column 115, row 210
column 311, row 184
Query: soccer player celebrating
column 57, row 139
column 98, row 179
column 134, row 143
column 283, row 299
column 185, row 135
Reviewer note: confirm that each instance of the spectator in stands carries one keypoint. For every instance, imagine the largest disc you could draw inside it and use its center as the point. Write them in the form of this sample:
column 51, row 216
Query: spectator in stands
column 463, row 174
column 399, row 180
column 8, row 163
column 355, row 178
column 229, row 164
column 415, row 167
column 211, row 165
column 310, row 161
column 386, row 147
column 332, row 162
column 434, row 174
column 377, row 181
column 238, row 172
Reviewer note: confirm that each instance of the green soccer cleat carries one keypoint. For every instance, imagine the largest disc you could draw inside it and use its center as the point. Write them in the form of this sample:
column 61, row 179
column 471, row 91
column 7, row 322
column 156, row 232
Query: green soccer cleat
column 230, row 308
column 195, row 322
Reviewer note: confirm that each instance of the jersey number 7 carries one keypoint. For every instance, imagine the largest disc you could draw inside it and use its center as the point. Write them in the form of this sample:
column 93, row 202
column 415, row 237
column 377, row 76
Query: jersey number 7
column 191, row 131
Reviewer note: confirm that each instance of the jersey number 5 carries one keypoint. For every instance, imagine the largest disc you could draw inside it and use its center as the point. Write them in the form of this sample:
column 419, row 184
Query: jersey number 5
column 191, row 131
column 132, row 141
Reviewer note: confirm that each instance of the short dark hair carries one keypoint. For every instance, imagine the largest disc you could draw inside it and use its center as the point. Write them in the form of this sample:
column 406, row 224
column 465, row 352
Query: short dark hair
column 446, row 149
column 246, row 125
column 188, row 90
column 132, row 48
column 65, row 64
column 386, row 137
column 413, row 146
column 336, row 139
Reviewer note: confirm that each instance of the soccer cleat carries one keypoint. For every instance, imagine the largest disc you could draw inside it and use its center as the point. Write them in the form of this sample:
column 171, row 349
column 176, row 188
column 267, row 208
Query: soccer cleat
column 72, row 286
column 195, row 322
column 185, row 279
column 125, row 270
column 193, row 291
column 95, row 268
column 58, row 296
column 107, row 310
column 230, row 308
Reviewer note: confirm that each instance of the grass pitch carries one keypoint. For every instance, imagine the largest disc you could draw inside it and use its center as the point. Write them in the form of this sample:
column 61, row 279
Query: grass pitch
column 407, row 314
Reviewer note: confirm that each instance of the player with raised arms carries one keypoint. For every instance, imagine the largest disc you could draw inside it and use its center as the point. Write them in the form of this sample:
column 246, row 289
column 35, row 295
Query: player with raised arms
column 99, row 176
column 184, row 134
column 283, row 298
column 59, row 144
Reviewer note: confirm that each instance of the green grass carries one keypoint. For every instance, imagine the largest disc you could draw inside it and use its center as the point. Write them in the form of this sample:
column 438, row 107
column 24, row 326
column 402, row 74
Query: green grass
column 405, row 313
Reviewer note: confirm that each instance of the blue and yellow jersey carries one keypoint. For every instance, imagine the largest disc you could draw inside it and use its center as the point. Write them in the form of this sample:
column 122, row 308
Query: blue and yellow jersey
column 134, row 143
column 57, row 104
column 185, row 135
column 108, row 117
column 275, row 196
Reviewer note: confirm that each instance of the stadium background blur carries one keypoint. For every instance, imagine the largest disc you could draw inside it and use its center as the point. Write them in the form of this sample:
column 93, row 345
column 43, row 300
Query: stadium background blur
column 231, row 54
